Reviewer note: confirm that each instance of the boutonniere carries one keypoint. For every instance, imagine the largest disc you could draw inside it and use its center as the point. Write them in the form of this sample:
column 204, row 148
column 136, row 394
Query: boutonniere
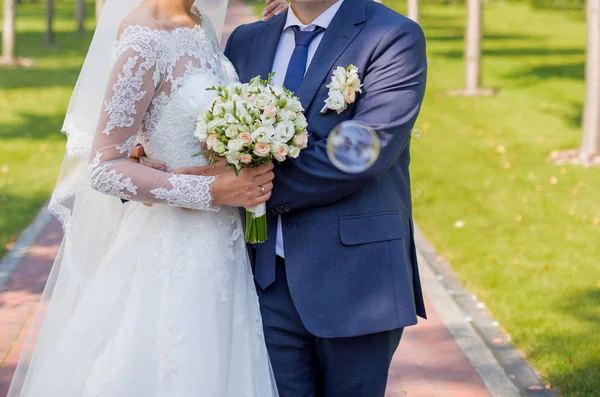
column 343, row 88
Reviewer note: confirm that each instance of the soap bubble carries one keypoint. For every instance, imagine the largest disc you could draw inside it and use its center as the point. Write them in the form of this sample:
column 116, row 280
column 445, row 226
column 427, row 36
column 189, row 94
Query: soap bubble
column 353, row 146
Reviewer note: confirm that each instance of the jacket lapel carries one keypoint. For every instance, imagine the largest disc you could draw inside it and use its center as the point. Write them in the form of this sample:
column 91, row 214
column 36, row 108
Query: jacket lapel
column 344, row 27
column 264, row 47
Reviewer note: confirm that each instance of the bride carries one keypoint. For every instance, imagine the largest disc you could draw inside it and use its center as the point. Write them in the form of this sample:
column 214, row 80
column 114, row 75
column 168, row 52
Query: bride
column 149, row 300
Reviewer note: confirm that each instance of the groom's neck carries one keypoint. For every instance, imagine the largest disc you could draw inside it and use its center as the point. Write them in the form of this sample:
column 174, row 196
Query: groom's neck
column 309, row 10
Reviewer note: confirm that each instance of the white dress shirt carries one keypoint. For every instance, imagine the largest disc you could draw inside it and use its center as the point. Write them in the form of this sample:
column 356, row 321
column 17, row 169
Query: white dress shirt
column 287, row 43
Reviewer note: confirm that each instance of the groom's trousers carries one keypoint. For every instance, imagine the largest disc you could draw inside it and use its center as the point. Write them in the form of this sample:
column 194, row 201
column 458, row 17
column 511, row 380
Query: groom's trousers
column 308, row 366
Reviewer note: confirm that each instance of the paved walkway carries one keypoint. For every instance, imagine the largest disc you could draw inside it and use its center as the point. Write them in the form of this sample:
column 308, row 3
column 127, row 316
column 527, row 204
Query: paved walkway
column 429, row 362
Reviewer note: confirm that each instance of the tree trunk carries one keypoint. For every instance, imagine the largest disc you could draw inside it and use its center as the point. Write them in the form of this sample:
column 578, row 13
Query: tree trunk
column 8, row 33
column 80, row 15
column 473, row 46
column 99, row 5
column 413, row 10
column 49, row 40
column 590, row 144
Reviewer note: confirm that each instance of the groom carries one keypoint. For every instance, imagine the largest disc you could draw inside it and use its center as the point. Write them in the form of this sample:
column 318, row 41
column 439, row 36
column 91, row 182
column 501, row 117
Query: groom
column 338, row 279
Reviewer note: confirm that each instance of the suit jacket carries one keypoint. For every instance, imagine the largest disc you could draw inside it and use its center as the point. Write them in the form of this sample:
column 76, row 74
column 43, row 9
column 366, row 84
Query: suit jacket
column 348, row 238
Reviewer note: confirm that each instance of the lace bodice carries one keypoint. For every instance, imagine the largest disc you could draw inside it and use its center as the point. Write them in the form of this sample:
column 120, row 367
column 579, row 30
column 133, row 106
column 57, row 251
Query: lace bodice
column 155, row 94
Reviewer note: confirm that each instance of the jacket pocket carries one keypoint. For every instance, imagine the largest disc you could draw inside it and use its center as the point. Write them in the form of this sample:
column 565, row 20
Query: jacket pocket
column 371, row 228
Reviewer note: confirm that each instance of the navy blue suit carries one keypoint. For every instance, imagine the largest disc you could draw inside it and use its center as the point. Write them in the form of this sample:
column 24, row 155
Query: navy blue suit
column 350, row 281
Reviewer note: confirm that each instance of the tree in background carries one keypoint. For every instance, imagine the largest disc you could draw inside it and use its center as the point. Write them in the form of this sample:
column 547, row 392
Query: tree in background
column 99, row 5
column 9, row 33
column 473, row 46
column 49, row 38
column 80, row 15
column 590, row 144
column 473, row 39
column 413, row 10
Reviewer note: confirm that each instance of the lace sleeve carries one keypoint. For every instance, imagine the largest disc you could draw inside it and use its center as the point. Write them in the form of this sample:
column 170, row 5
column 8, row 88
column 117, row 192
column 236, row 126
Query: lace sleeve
column 133, row 82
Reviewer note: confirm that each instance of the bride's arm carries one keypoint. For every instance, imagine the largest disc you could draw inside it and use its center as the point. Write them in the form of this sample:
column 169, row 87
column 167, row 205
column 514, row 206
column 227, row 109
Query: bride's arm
column 128, row 98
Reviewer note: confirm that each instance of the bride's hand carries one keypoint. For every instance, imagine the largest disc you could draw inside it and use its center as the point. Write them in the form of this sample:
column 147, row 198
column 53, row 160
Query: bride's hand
column 273, row 8
column 252, row 187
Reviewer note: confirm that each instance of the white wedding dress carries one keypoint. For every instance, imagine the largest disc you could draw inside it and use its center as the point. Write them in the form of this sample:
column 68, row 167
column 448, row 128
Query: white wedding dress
column 172, row 309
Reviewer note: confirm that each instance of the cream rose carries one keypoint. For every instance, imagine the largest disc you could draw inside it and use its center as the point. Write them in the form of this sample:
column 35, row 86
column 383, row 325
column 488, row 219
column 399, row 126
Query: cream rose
column 246, row 158
column 301, row 140
column 279, row 151
column 262, row 149
column 270, row 112
column 251, row 99
column 245, row 137
column 211, row 140
column 349, row 95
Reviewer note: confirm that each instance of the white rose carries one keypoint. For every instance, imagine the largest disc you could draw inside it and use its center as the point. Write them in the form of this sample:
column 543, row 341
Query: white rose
column 211, row 140
column 245, row 137
column 267, row 121
column 232, row 131
column 230, row 119
column 262, row 101
column 284, row 131
column 254, row 83
column 228, row 106
column 263, row 132
column 336, row 101
column 262, row 149
column 235, row 145
column 218, row 109
column 335, row 85
column 300, row 122
column 246, row 158
column 301, row 140
column 286, row 115
column 294, row 152
column 233, row 158
column 241, row 109
column 201, row 130
column 215, row 124
column 219, row 147
column 340, row 75
column 294, row 105
column 353, row 81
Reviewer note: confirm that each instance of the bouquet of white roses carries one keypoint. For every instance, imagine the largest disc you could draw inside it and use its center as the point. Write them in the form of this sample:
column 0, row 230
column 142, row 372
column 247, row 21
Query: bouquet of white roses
column 250, row 125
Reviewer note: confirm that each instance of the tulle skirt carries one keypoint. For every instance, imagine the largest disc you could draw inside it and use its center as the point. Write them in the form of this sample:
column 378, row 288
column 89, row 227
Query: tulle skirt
column 171, row 311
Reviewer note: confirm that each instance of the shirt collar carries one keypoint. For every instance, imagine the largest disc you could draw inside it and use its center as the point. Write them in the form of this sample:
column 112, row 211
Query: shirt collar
column 323, row 20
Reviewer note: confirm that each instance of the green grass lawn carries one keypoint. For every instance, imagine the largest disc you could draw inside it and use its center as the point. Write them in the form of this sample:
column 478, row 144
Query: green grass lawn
column 33, row 103
column 529, row 247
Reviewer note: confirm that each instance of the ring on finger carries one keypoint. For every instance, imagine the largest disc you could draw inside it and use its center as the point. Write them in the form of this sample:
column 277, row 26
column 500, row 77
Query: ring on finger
column 262, row 189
